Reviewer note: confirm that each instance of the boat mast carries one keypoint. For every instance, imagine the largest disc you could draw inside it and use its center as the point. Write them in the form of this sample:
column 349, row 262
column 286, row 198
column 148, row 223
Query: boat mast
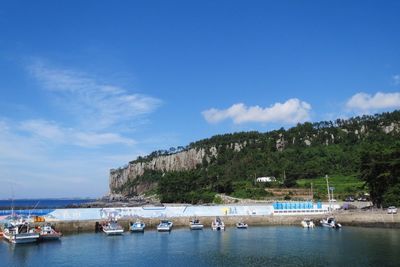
column 312, row 192
column 329, row 196
column 12, row 200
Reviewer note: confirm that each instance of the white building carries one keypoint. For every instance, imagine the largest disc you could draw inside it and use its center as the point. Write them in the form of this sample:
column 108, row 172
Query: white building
column 266, row 179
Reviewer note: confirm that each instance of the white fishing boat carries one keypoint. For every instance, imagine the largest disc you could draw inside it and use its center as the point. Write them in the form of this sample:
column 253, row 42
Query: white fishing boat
column 137, row 226
column 218, row 225
column 307, row 223
column 112, row 228
column 241, row 225
column 164, row 226
column 19, row 231
column 195, row 224
column 331, row 223
column 47, row 232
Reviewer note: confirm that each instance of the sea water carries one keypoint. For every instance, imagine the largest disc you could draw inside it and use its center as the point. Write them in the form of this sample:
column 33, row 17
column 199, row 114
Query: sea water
column 256, row 246
column 41, row 203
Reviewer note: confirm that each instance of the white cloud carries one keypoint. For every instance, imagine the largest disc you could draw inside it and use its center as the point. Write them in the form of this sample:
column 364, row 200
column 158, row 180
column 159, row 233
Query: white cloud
column 362, row 102
column 291, row 111
column 98, row 105
column 396, row 79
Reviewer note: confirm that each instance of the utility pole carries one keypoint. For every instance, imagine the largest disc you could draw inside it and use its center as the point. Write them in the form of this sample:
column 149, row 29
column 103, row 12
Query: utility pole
column 284, row 176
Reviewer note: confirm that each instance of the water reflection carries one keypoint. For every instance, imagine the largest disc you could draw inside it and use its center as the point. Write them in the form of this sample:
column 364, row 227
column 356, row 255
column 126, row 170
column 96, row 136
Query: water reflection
column 256, row 246
column 21, row 253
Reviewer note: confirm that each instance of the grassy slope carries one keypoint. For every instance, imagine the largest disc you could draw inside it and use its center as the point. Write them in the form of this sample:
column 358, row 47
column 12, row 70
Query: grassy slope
column 344, row 185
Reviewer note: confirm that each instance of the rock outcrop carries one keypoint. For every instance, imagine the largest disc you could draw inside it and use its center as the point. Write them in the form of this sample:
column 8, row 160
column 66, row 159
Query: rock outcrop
column 181, row 161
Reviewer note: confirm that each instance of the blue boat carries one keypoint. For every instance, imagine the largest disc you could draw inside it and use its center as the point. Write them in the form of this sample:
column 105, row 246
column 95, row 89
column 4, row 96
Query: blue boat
column 164, row 226
column 137, row 226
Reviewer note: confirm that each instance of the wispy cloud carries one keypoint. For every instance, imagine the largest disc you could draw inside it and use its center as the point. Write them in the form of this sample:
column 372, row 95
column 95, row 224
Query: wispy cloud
column 55, row 155
column 50, row 131
column 15, row 147
column 37, row 161
column 98, row 105
column 291, row 111
column 396, row 79
column 44, row 129
column 367, row 103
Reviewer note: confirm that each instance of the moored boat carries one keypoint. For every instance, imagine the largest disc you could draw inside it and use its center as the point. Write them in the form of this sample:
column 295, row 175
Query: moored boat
column 164, row 226
column 241, row 225
column 218, row 224
column 330, row 222
column 195, row 224
column 18, row 232
column 47, row 232
column 112, row 228
column 137, row 226
column 307, row 223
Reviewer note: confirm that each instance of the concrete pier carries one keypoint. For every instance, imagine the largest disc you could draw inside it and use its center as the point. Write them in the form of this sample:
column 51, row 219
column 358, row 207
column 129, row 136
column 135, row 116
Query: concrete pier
column 364, row 219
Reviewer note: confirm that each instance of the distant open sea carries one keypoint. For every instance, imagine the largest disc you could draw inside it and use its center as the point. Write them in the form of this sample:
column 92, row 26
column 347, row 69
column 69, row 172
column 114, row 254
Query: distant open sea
column 41, row 203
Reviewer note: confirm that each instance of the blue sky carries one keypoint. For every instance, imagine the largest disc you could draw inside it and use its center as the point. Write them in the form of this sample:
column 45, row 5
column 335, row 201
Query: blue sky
column 86, row 86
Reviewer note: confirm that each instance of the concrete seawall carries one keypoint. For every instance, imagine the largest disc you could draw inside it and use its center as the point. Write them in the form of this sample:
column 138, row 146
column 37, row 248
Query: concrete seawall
column 364, row 219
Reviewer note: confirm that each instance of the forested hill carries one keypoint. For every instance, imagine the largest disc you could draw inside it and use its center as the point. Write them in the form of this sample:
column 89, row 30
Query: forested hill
column 229, row 163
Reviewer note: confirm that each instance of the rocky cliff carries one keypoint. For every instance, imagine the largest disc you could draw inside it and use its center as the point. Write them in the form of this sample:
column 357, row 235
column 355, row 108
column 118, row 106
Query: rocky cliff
column 181, row 161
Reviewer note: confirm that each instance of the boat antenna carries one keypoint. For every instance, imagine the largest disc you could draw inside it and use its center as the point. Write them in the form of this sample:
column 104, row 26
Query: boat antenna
column 30, row 211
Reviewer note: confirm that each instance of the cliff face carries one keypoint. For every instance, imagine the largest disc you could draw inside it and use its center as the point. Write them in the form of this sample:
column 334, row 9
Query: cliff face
column 181, row 161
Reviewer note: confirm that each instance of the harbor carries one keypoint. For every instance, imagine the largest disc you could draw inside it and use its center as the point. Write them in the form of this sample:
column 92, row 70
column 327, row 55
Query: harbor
column 70, row 221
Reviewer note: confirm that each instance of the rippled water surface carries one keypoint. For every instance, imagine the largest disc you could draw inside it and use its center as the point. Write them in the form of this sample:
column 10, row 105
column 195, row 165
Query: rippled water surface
column 256, row 246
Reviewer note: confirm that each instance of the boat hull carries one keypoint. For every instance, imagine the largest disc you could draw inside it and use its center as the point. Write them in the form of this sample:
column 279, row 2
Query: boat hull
column 307, row 225
column 163, row 229
column 196, row 227
column 328, row 225
column 113, row 232
column 21, row 238
column 137, row 228
column 218, row 227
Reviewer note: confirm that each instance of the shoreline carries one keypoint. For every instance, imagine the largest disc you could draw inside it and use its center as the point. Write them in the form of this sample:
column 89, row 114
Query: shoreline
column 358, row 219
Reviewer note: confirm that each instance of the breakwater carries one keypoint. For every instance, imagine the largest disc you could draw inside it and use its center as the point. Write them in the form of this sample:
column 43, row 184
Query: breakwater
column 364, row 219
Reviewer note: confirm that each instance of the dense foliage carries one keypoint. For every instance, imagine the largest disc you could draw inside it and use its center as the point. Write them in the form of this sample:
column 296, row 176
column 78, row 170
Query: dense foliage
column 380, row 169
column 309, row 150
